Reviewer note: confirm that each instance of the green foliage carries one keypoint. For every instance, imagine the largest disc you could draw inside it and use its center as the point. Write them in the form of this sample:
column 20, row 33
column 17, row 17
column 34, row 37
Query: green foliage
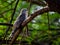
column 38, row 27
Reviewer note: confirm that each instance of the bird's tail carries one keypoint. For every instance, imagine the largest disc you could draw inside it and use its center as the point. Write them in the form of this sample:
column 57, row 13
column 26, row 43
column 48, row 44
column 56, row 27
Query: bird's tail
column 12, row 33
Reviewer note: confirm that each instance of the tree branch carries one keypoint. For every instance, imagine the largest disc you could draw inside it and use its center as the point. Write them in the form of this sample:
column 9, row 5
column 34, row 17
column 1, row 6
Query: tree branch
column 36, row 2
column 31, row 17
column 4, row 41
column 6, row 24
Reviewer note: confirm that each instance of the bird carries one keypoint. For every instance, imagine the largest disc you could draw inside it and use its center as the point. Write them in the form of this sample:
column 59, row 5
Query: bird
column 54, row 5
column 17, row 24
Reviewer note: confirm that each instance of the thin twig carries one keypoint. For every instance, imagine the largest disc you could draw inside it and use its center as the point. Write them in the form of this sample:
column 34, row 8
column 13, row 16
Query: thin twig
column 6, row 24
column 11, row 18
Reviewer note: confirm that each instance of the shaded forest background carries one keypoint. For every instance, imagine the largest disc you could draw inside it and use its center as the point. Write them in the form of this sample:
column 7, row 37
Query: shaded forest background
column 42, row 30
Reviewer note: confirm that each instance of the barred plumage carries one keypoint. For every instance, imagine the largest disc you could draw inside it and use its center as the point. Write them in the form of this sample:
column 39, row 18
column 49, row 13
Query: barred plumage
column 22, row 16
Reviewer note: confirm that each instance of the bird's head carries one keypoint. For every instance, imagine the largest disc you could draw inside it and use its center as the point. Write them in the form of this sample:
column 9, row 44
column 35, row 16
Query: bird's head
column 24, row 11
